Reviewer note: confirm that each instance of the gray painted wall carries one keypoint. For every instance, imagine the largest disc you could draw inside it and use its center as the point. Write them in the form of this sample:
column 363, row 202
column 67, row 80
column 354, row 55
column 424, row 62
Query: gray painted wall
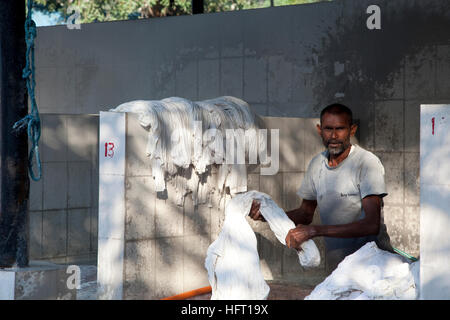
column 285, row 61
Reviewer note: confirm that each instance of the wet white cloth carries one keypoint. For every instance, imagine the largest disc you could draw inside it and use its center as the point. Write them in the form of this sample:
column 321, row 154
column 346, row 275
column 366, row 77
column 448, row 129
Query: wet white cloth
column 232, row 260
column 184, row 133
column 370, row 274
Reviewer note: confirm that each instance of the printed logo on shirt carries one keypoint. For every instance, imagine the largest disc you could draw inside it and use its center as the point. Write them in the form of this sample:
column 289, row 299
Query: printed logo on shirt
column 349, row 194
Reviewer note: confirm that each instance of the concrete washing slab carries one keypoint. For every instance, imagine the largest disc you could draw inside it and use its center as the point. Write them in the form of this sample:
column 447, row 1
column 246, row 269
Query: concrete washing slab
column 38, row 281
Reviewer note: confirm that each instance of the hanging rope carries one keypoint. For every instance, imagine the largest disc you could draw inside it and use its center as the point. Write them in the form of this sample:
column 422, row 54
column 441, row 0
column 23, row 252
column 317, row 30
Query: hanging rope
column 31, row 120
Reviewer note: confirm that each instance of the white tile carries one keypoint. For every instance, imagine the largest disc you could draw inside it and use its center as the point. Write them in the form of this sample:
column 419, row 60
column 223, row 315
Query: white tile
column 434, row 283
column 434, row 242
column 111, row 210
column 110, row 269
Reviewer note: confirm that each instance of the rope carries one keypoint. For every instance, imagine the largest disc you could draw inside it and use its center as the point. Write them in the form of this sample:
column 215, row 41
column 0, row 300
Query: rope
column 31, row 120
column 404, row 254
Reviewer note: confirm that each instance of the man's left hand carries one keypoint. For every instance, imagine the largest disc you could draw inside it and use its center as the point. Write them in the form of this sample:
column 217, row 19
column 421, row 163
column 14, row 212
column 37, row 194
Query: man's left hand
column 297, row 236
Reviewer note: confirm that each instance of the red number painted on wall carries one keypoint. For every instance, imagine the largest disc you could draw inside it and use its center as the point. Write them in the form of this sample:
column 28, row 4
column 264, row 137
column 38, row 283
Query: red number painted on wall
column 109, row 149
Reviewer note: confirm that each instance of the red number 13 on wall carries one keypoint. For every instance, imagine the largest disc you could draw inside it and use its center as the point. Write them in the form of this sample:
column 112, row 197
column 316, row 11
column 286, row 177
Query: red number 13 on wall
column 109, row 149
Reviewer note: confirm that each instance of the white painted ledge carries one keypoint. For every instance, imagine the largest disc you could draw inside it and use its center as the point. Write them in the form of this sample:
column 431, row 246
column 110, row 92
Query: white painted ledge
column 111, row 220
column 435, row 202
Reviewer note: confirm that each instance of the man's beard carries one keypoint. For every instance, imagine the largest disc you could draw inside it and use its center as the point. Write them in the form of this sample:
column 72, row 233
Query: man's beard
column 335, row 151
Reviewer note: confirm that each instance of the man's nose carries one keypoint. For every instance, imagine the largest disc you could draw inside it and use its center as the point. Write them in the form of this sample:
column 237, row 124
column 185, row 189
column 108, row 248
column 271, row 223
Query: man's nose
column 334, row 134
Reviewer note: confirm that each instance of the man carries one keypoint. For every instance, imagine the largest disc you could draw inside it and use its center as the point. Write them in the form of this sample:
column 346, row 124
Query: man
column 346, row 183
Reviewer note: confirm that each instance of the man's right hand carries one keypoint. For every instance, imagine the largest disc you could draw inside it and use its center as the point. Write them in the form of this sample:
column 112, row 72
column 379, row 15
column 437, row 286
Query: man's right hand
column 255, row 214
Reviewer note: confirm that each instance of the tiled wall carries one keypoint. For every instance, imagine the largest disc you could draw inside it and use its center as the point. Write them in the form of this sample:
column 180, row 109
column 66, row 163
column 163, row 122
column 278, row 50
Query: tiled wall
column 286, row 61
column 165, row 244
column 64, row 202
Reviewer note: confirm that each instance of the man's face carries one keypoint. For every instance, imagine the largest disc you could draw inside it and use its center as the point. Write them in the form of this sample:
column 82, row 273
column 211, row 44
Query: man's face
column 335, row 130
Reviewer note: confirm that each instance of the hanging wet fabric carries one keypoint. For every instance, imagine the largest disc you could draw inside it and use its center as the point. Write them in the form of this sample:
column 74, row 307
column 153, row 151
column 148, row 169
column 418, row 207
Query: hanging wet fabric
column 190, row 136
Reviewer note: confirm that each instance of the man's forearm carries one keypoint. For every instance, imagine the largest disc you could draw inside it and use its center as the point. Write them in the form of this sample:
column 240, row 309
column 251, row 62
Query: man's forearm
column 298, row 216
column 352, row 230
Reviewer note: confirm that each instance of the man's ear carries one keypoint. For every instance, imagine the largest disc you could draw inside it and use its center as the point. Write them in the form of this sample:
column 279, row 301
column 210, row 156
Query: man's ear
column 353, row 129
column 319, row 129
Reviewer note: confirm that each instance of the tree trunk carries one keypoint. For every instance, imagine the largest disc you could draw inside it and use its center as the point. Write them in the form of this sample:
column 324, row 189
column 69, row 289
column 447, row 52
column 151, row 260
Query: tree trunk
column 197, row 6
column 14, row 146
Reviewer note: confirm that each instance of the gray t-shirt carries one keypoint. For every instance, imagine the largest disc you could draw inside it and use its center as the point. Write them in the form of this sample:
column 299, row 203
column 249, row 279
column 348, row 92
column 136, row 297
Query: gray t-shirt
column 339, row 192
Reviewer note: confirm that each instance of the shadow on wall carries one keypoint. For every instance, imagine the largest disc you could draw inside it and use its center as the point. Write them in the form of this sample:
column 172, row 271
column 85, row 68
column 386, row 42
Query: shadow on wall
column 165, row 243
column 406, row 30
column 385, row 77
column 63, row 216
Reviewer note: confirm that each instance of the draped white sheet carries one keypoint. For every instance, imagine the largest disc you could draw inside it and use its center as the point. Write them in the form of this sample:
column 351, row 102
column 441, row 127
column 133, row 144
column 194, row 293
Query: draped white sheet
column 174, row 135
column 370, row 274
column 232, row 260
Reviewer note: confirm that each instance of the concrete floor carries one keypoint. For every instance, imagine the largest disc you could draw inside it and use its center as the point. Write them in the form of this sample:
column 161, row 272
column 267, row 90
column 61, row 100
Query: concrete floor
column 88, row 290
column 287, row 291
column 278, row 290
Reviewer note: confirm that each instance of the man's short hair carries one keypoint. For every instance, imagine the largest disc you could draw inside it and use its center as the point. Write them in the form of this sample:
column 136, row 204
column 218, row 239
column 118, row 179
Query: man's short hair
column 337, row 109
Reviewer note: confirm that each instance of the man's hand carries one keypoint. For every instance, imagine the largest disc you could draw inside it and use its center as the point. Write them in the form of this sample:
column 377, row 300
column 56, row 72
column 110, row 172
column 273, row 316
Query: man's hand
column 297, row 236
column 255, row 214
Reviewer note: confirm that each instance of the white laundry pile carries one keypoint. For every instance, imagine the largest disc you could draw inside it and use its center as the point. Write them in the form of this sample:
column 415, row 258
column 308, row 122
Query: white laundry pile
column 370, row 274
column 232, row 260
column 186, row 137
